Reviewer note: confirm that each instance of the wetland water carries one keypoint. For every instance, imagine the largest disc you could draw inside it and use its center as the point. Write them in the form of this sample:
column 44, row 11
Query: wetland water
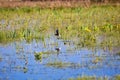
column 89, row 44
column 18, row 61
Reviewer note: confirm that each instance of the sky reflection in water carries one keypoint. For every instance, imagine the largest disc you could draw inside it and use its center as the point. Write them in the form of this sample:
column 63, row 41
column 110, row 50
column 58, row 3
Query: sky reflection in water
column 17, row 61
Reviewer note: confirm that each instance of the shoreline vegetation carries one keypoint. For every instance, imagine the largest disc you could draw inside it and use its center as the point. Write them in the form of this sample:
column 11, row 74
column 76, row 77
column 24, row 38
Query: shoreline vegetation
column 85, row 23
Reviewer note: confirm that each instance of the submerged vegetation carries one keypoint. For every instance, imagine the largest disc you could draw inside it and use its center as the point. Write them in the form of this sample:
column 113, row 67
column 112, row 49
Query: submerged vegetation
column 118, row 53
column 88, row 78
column 59, row 64
column 95, row 78
column 0, row 58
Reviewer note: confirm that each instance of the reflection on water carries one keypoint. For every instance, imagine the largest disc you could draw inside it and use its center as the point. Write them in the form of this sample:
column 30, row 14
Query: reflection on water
column 55, row 59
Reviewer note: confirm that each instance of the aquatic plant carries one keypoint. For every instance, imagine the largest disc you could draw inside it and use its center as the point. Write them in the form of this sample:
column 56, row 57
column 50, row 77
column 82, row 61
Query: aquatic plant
column 117, row 77
column 38, row 56
column 96, row 60
column 25, row 69
column 0, row 58
column 83, row 78
column 59, row 64
column 89, row 78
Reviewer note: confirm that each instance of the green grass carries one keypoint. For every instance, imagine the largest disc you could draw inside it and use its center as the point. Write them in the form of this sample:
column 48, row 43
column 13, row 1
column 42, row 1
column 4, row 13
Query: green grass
column 60, row 64
column 82, row 25
column 117, row 77
column 89, row 78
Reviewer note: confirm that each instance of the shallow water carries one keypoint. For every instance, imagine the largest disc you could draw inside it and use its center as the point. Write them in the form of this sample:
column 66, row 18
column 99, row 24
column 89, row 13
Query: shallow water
column 17, row 60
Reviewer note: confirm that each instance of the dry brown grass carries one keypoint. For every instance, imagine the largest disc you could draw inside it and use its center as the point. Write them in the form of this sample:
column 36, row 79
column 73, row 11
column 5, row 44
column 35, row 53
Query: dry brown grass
column 46, row 4
column 52, row 4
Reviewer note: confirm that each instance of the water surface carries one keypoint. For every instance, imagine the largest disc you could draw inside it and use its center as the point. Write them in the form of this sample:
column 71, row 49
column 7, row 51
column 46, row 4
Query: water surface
column 17, row 60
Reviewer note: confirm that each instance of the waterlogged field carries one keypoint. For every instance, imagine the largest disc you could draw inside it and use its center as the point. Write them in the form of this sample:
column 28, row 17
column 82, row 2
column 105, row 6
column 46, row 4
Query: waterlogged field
column 86, row 47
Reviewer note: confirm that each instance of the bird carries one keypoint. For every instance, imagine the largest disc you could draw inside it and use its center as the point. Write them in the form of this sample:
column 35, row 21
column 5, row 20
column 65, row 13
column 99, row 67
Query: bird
column 57, row 32
column 57, row 49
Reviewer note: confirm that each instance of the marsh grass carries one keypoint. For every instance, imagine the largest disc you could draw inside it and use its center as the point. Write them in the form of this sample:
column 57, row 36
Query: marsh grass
column 81, row 25
column 117, row 77
column 89, row 78
column 60, row 64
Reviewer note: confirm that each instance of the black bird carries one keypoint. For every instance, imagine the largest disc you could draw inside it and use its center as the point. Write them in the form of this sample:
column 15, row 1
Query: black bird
column 57, row 32
column 57, row 49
